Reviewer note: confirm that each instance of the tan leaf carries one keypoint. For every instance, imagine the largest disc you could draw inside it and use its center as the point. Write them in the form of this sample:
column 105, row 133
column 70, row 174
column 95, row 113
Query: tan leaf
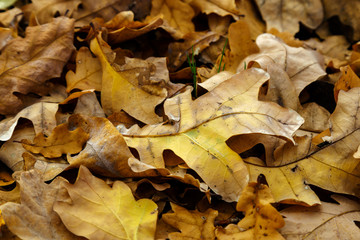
column 88, row 72
column 39, row 57
column 34, row 218
column 200, row 128
column 261, row 219
column 104, row 212
column 177, row 16
column 106, row 152
column 89, row 105
column 348, row 80
column 316, row 117
column 10, row 196
column 286, row 15
column 326, row 221
column 303, row 66
column 137, row 87
column 195, row 41
column 61, row 141
column 219, row 7
column 332, row 167
column 192, row 224
column 8, row 17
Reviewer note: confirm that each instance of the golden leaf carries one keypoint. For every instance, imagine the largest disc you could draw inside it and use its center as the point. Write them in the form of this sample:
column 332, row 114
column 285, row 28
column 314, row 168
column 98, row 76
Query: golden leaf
column 34, row 218
column 41, row 55
column 192, row 223
column 104, row 212
column 200, row 128
column 219, row 7
column 261, row 219
column 61, row 141
column 348, row 80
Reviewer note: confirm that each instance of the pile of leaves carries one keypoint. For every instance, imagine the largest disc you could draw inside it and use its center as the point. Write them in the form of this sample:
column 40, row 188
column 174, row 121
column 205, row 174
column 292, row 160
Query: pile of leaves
column 179, row 119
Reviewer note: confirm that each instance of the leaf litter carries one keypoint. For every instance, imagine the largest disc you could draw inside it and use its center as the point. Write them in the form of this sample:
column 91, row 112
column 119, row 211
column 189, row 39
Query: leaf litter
column 107, row 132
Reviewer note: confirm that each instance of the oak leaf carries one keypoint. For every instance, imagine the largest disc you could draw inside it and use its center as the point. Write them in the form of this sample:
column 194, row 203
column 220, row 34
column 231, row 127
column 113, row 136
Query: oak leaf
column 332, row 167
column 192, row 223
column 286, row 15
column 303, row 66
column 41, row 55
column 34, row 218
column 348, row 80
column 200, row 128
column 104, row 212
column 61, row 141
column 326, row 221
column 177, row 16
column 261, row 219
column 219, row 7
column 135, row 88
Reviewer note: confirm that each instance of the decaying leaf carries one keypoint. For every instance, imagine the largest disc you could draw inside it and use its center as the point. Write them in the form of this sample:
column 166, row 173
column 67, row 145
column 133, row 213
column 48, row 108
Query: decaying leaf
column 286, row 15
column 106, row 152
column 192, row 224
column 104, row 212
column 177, row 16
column 200, row 128
column 39, row 57
column 261, row 220
column 332, row 167
column 326, row 221
column 136, row 88
column 61, row 141
column 34, row 218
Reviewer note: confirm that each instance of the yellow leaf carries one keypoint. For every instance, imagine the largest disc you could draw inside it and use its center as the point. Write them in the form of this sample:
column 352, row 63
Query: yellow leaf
column 131, row 91
column 88, row 72
column 106, row 152
column 219, row 7
column 177, row 16
column 199, row 129
column 333, row 166
column 326, row 221
column 40, row 56
column 348, row 80
column 61, row 141
column 192, row 223
column 103, row 212
column 261, row 219
column 34, row 218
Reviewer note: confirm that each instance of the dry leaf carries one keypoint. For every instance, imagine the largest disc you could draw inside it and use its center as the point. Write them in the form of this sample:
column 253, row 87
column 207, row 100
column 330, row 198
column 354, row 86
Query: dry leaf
column 88, row 72
column 316, row 117
column 261, row 219
column 219, row 7
column 286, row 15
column 176, row 14
column 135, row 88
column 200, row 128
column 326, row 221
column 106, row 152
column 61, row 141
column 10, row 196
column 34, row 218
column 348, row 80
column 104, row 212
column 303, row 66
column 192, row 224
column 333, row 167
column 10, row 17
column 39, row 57
column 89, row 105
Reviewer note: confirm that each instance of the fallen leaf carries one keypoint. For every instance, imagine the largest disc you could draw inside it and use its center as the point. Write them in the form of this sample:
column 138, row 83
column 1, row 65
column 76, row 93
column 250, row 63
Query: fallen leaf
column 200, row 128
column 192, row 224
column 134, row 91
column 348, row 80
column 5, row 4
column 104, row 212
column 34, row 218
column 10, row 17
column 303, row 66
column 332, row 167
column 285, row 16
column 41, row 55
column 88, row 72
column 10, row 196
column 106, row 152
column 326, row 221
column 261, row 220
column 219, row 7
column 176, row 14
column 316, row 117
column 287, row 37
column 61, row 141
column 89, row 105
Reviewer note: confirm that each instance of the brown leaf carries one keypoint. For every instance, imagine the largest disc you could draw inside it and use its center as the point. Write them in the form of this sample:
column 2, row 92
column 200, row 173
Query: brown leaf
column 34, row 218
column 219, row 7
column 38, row 57
column 286, row 15
column 61, row 141
column 348, row 80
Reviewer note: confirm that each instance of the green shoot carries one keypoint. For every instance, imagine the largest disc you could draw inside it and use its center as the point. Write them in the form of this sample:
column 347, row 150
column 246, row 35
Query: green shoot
column 222, row 55
column 244, row 65
column 192, row 65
